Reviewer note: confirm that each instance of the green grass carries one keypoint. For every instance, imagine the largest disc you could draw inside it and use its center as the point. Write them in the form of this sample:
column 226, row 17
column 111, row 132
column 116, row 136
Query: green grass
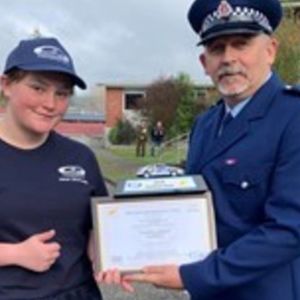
column 170, row 155
column 113, row 172
column 119, row 162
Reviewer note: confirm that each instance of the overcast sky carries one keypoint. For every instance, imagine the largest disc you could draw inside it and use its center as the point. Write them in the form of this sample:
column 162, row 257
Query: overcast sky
column 133, row 41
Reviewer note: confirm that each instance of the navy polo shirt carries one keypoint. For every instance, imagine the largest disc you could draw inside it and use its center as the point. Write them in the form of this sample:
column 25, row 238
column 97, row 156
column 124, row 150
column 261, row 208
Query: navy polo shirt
column 48, row 188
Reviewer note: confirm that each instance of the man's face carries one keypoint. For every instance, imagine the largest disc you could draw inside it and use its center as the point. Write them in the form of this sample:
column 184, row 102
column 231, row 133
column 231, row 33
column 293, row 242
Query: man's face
column 239, row 64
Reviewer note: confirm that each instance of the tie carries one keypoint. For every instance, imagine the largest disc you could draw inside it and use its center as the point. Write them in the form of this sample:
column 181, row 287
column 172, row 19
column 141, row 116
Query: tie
column 226, row 120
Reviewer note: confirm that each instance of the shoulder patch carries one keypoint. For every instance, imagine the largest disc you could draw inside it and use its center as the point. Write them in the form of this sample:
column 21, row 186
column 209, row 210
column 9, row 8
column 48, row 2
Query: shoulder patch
column 292, row 89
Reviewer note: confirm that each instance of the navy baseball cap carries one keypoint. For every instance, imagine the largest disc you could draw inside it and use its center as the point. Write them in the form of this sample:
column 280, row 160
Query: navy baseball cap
column 214, row 18
column 43, row 54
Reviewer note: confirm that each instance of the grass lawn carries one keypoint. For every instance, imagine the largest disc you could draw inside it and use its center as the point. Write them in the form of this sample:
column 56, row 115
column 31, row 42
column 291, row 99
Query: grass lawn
column 119, row 162
column 170, row 155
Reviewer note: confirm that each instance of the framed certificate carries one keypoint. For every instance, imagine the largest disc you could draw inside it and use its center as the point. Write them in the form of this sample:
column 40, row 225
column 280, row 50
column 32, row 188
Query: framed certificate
column 131, row 233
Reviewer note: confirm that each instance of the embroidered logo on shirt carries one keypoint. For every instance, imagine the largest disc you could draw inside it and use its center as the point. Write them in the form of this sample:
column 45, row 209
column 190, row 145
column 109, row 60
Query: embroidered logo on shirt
column 72, row 173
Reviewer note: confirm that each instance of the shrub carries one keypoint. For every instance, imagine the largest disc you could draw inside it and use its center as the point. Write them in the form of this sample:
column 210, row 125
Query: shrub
column 122, row 134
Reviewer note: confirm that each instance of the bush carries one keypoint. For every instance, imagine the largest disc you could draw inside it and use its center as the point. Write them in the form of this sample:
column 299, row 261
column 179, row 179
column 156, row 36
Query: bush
column 122, row 134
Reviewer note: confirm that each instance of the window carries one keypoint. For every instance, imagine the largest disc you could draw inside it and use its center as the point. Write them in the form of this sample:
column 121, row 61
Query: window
column 133, row 100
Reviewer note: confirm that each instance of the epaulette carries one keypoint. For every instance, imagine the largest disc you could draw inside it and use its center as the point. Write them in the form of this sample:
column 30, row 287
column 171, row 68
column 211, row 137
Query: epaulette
column 292, row 89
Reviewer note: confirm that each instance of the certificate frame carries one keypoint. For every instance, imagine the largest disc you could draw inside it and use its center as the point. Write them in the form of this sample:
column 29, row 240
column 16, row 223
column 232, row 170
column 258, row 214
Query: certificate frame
column 131, row 233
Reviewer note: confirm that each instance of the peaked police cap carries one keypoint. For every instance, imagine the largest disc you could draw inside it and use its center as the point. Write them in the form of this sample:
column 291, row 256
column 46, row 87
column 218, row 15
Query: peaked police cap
column 213, row 18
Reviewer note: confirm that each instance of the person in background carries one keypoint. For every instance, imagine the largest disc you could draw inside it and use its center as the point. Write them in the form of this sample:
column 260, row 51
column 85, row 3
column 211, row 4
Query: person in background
column 46, row 181
column 141, row 139
column 157, row 137
column 247, row 147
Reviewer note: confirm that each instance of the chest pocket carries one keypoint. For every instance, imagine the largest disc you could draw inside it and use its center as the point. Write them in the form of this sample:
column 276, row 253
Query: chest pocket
column 246, row 189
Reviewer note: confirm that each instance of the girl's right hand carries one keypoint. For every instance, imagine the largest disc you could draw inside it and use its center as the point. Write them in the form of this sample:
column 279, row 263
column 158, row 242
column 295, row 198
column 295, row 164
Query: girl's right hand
column 36, row 253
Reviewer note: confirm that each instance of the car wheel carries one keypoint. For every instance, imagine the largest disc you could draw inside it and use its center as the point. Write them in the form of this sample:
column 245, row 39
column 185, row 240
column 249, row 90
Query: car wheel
column 146, row 174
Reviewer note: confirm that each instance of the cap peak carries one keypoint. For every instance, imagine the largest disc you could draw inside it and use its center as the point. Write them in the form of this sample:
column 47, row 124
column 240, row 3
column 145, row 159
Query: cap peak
column 43, row 54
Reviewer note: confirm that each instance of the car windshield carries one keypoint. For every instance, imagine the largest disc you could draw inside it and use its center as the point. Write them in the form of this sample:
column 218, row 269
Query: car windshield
column 161, row 167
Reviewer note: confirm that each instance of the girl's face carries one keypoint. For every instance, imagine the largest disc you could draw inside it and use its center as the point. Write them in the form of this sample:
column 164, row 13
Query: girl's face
column 36, row 103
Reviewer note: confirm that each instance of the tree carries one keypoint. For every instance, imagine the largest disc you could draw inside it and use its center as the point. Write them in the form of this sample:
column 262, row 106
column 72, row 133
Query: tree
column 187, row 106
column 175, row 102
column 122, row 134
column 161, row 101
column 288, row 59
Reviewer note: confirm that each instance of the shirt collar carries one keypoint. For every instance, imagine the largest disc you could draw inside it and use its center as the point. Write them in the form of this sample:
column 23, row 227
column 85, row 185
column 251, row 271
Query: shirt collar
column 234, row 111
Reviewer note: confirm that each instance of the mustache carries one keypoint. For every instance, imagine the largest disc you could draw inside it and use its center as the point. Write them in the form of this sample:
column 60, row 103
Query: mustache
column 231, row 70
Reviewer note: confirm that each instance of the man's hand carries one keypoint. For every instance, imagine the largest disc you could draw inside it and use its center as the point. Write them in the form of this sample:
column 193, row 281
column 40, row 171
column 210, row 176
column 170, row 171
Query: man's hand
column 114, row 277
column 109, row 276
column 36, row 253
column 164, row 276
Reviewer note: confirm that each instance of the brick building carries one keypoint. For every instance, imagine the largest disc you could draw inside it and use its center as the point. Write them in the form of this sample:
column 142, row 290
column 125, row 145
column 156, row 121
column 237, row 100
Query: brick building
column 119, row 101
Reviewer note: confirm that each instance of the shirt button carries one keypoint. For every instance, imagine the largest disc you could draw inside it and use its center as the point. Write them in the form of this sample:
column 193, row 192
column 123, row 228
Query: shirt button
column 244, row 185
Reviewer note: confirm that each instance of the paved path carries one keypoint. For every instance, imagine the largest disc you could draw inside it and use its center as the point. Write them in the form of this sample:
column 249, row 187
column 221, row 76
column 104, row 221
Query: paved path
column 116, row 162
column 142, row 292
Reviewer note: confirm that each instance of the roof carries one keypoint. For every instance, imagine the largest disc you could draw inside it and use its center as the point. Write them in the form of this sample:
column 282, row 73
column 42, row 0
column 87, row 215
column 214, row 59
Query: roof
column 84, row 116
column 142, row 86
column 124, row 85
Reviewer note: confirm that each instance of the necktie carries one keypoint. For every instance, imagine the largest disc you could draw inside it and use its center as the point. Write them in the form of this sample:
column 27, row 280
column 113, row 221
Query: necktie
column 226, row 120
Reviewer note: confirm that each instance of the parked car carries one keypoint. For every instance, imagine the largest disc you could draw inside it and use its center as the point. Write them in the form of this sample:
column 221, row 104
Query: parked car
column 159, row 170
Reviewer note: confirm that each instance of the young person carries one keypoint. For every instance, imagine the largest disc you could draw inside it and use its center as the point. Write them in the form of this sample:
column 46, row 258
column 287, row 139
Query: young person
column 46, row 180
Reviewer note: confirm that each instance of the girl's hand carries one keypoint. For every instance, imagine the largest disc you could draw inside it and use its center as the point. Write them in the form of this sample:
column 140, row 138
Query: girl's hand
column 37, row 253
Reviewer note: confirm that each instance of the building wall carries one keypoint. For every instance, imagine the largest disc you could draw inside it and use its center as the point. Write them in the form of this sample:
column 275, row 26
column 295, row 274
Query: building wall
column 91, row 129
column 98, row 94
column 114, row 106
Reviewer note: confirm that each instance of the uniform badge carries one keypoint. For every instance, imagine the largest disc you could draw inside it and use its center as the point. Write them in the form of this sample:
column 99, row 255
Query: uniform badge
column 224, row 10
column 231, row 161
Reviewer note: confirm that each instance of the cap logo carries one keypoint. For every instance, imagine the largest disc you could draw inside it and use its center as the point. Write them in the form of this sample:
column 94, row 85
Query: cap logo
column 224, row 10
column 52, row 53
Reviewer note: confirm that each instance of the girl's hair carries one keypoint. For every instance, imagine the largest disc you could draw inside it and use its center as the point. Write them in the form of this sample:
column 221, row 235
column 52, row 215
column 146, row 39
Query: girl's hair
column 16, row 75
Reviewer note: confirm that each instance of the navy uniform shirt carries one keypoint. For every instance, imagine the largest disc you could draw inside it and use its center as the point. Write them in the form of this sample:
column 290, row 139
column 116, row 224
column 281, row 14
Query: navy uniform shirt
column 253, row 171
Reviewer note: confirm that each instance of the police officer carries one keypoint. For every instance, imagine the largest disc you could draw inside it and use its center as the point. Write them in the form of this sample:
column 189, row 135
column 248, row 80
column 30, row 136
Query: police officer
column 251, row 164
column 141, row 139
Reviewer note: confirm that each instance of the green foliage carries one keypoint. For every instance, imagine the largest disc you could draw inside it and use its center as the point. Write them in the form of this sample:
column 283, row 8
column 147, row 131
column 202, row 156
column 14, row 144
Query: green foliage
column 122, row 134
column 187, row 106
column 288, row 58
column 161, row 102
column 175, row 101
column 2, row 100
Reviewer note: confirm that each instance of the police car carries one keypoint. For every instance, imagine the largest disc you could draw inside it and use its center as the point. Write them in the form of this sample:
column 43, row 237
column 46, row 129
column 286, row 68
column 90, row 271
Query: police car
column 159, row 170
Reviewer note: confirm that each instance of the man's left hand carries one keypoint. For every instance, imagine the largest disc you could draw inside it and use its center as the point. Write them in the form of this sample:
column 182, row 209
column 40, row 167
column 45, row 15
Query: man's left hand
column 164, row 276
